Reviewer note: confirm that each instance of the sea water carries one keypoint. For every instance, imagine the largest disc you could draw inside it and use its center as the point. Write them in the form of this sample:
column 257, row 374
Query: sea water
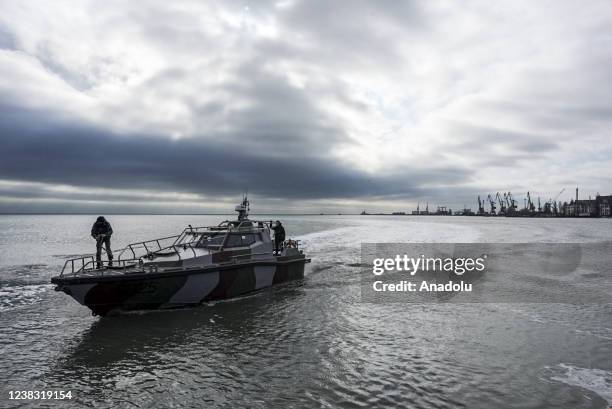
column 311, row 342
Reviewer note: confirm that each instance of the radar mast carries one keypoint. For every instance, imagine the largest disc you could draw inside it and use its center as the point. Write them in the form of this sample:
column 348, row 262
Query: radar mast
column 243, row 209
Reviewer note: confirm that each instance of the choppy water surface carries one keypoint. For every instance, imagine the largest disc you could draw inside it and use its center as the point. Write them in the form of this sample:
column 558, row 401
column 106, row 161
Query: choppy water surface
column 310, row 343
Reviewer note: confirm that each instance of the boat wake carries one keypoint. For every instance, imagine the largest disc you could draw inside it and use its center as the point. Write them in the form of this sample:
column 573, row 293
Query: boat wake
column 15, row 296
column 22, row 285
column 597, row 381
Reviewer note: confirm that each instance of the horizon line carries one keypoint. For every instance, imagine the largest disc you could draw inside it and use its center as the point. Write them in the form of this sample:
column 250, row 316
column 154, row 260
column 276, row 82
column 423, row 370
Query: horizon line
column 169, row 214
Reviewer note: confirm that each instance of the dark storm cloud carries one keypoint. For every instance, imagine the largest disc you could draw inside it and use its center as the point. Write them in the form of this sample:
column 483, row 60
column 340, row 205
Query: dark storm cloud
column 58, row 153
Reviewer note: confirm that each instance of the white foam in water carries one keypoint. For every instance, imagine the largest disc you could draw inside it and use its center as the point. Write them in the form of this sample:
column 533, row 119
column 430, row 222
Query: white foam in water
column 603, row 333
column 594, row 380
column 390, row 231
column 19, row 295
column 320, row 245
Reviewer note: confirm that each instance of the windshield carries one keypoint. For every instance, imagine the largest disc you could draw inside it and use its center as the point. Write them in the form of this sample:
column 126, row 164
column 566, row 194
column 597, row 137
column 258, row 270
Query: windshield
column 211, row 240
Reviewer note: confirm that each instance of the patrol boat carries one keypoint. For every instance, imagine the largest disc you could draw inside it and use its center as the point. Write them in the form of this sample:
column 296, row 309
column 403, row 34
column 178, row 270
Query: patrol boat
column 201, row 264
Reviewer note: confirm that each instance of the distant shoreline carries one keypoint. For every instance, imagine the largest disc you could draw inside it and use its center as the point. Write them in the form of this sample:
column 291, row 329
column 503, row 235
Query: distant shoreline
column 265, row 215
column 183, row 214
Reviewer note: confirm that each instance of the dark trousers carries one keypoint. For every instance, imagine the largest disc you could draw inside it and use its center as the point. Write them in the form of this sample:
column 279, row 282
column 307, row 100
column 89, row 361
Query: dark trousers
column 278, row 241
column 99, row 242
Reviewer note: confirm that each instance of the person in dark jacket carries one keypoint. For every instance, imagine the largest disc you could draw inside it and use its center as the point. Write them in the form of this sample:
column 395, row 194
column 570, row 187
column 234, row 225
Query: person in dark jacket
column 279, row 236
column 102, row 232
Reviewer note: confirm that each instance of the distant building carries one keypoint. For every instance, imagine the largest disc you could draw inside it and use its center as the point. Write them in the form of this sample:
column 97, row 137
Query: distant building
column 598, row 207
column 603, row 204
column 579, row 208
column 586, row 208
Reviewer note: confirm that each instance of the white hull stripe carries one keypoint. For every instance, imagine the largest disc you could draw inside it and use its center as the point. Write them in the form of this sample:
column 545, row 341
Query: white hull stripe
column 264, row 275
column 195, row 288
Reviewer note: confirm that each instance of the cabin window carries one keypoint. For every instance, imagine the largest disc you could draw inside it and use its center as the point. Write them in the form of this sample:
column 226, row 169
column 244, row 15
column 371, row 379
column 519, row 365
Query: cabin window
column 211, row 240
column 240, row 240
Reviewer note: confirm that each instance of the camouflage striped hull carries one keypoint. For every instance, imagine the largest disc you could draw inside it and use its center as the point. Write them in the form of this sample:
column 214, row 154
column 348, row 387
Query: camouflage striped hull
column 166, row 290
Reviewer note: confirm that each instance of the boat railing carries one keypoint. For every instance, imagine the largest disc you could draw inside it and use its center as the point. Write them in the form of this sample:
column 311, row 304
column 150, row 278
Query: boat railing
column 155, row 245
column 89, row 263
column 176, row 247
column 149, row 246
column 78, row 265
column 225, row 225
column 71, row 263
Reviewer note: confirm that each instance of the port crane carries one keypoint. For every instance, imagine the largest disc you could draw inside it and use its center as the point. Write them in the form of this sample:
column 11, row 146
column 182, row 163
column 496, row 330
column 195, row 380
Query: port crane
column 530, row 205
column 550, row 207
column 555, row 201
column 558, row 194
column 512, row 202
column 481, row 209
column 492, row 203
column 502, row 205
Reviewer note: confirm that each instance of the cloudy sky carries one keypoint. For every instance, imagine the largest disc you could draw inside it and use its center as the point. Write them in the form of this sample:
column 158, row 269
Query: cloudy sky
column 158, row 106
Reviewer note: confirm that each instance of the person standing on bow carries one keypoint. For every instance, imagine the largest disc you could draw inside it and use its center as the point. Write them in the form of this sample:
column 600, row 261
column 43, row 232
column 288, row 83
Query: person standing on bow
column 279, row 236
column 102, row 232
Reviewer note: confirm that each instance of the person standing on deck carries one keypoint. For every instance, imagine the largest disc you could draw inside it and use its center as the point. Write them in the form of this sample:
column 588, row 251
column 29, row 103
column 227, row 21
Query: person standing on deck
column 279, row 236
column 102, row 232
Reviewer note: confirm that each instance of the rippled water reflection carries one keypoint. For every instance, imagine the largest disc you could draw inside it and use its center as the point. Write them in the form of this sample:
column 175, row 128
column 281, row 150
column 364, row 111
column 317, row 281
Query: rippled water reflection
column 308, row 343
